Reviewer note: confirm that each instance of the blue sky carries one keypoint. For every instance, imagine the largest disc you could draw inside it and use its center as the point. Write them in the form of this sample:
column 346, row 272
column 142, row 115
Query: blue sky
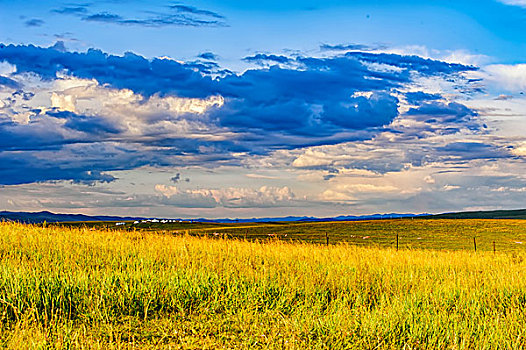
column 250, row 109
column 484, row 27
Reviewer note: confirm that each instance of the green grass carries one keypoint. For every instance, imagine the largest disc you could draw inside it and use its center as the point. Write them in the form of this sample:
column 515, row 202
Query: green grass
column 508, row 235
column 492, row 214
column 81, row 288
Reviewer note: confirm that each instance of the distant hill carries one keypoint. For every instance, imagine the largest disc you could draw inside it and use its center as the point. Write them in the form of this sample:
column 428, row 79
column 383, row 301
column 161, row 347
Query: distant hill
column 39, row 217
column 312, row 218
column 493, row 214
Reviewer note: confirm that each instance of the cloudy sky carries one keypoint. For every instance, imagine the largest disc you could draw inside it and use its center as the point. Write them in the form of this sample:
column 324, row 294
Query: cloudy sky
column 270, row 108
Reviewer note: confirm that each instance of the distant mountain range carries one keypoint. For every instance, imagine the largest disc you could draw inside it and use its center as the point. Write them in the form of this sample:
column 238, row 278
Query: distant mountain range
column 312, row 218
column 41, row 216
column 46, row 216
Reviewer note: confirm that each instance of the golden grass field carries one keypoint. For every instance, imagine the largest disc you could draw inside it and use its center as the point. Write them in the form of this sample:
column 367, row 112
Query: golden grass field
column 106, row 289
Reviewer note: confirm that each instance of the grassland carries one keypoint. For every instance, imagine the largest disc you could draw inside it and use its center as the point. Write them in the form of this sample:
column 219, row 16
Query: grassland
column 93, row 288
column 458, row 234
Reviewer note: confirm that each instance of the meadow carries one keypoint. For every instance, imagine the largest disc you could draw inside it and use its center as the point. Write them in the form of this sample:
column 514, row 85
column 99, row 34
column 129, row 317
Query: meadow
column 274, row 286
column 458, row 234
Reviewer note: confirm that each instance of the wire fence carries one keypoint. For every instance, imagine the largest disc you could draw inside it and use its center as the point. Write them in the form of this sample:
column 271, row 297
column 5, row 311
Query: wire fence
column 471, row 235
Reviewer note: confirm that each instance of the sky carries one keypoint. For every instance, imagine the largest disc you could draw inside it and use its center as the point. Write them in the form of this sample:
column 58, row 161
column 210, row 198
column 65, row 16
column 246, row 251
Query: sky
column 247, row 109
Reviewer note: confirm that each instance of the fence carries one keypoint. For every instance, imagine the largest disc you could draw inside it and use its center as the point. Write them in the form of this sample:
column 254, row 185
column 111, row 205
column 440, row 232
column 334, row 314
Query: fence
column 457, row 234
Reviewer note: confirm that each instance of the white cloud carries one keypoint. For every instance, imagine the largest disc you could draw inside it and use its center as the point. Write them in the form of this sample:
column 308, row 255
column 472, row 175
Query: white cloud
column 331, row 195
column 63, row 102
column 521, row 3
column 312, row 158
column 261, row 176
column 397, row 165
column 7, row 68
column 508, row 77
column 167, row 191
column 451, row 56
column 520, row 150
column 131, row 113
column 369, row 188
column 233, row 196
column 343, row 191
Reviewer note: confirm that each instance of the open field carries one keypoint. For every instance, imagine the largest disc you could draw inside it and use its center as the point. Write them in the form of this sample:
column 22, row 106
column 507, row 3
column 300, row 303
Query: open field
column 458, row 234
column 83, row 288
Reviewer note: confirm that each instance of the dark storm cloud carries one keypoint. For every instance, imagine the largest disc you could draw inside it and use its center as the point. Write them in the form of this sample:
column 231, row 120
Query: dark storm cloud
column 307, row 101
column 314, row 99
column 129, row 71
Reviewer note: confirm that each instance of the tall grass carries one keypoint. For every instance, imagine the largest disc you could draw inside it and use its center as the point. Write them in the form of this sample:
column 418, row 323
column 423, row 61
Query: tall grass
column 77, row 288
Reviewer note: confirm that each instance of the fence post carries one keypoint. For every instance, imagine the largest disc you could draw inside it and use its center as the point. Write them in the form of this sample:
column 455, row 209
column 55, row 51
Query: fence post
column 475, row 243
column 397, row 242
column 494, row 250
column 246, row 234
column 327, row 238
